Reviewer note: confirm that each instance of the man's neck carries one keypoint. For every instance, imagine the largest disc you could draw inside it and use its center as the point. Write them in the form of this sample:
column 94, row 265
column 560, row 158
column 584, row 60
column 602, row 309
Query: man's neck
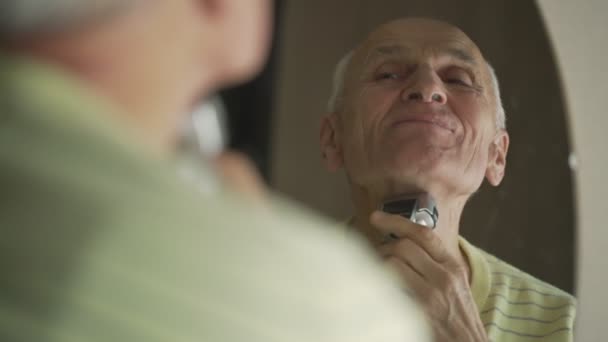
column 450, row 210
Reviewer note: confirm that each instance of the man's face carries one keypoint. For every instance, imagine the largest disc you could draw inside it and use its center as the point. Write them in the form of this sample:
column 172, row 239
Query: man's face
column 418, row 109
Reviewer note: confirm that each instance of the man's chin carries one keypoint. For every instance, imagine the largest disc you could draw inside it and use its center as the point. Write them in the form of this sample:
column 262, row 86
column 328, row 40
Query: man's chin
column 419, row 139
column 412, row 165
column 415, row 158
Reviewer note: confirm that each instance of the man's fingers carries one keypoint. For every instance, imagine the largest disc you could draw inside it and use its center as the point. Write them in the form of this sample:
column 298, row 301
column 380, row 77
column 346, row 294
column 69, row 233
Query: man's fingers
column 401, row 227
column 417, row 258
column 239, row 174
column 395, row 224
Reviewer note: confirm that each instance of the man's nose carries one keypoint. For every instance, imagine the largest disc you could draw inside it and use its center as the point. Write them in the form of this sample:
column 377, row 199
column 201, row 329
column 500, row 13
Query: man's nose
column 425, row 87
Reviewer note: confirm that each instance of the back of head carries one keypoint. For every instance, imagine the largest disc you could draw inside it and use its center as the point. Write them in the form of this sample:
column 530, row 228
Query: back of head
column 153, row 60
column 27, row 17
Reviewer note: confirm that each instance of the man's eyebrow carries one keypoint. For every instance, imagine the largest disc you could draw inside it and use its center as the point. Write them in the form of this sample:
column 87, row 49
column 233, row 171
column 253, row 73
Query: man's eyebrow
column 461, row 55
column 385, row 51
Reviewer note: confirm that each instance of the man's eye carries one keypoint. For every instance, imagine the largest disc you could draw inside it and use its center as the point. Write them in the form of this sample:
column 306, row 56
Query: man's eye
column 457, row 81
column 388, row 76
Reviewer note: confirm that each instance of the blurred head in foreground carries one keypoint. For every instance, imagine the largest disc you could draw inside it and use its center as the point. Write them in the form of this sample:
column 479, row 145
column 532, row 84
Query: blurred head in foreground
column 153, row 59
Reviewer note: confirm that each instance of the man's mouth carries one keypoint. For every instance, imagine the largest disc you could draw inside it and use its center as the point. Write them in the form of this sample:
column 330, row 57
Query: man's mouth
column 438, row 120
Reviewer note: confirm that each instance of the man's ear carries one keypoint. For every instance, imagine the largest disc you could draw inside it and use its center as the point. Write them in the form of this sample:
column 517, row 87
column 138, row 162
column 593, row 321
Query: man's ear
column 497, row 158
column 331, row 149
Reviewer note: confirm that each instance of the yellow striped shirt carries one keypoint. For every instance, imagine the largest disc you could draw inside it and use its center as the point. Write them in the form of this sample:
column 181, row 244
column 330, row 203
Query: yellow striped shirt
column 515, row 306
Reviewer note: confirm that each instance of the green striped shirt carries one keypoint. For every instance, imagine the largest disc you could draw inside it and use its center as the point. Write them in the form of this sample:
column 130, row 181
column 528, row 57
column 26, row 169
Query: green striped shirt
column 100, row 241
column 515, row 306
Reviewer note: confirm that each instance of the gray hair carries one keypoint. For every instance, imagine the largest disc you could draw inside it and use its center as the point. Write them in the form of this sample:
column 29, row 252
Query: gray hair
column 38, row 16
column 337, row 92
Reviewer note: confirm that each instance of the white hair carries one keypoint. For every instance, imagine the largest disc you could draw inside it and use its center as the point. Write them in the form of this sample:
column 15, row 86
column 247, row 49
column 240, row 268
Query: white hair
column 501, row 117
column 337, row 92
column 37, row 16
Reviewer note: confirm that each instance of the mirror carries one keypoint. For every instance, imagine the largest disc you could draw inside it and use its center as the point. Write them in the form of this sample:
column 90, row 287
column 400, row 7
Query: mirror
column 529, row 220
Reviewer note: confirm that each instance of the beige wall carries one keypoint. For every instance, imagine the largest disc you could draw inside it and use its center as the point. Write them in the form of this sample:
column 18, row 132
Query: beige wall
column 529, row 220
column 578, row 31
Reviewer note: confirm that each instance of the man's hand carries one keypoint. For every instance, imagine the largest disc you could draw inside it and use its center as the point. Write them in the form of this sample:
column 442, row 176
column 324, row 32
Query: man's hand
column 239, row 174
column 438, row 280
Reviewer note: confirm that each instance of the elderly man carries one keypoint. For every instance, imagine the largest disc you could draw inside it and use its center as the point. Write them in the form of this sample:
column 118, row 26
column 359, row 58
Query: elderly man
column 99, row 240
column 416, row 109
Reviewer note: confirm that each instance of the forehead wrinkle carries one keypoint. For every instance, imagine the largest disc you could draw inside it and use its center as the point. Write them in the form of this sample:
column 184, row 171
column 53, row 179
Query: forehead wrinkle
column 393, row 50
column 461, row 55
column 383, row 51
column 381, row 44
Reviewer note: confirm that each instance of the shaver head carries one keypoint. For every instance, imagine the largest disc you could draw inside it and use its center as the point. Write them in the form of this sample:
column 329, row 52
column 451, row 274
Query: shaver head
column 420, row 209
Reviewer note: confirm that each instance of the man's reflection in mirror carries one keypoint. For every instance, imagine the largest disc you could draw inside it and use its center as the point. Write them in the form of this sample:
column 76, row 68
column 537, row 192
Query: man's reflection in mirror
column 415, row 109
